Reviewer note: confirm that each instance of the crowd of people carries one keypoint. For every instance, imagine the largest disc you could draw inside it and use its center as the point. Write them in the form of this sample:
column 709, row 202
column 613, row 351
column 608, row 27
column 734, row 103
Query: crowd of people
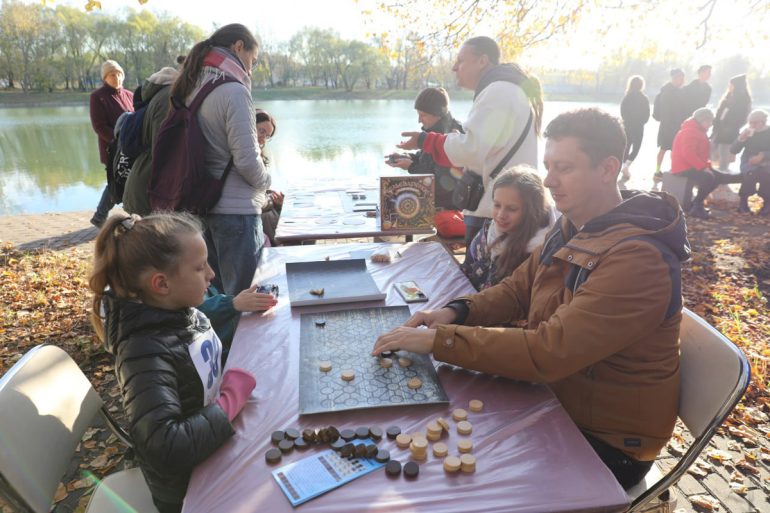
column 566, row 296
column 702, row 157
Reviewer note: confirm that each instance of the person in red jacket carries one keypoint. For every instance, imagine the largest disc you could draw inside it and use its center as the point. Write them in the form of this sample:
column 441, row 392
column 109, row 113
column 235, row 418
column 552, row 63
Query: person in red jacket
column 690, row 158
column 106, row 105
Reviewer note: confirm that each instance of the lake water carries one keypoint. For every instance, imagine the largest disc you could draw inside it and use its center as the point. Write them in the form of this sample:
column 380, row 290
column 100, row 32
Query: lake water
column 49, row 159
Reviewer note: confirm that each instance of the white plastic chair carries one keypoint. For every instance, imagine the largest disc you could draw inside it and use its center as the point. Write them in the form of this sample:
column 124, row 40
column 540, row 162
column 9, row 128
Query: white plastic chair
column 47, row 403
column 714, row 376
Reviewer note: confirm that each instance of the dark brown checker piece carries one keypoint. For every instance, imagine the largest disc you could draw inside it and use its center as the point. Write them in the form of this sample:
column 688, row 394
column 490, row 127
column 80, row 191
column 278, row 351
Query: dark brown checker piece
column 393, row 468
column 371, row 451
column 387, row 354
column 375, row 433
column 273, row 456
column 300, row 444
column 277, row 436
column 361, row 451
column 347, row 434
column 411, row 469
column 338, row 444
column 382, row 456
column 334, row 433
column 292, row 434
column 286, row 445
column 347, row 450
column 393, row 432
column 362, row 433
column 309, row 435
column 324, row 436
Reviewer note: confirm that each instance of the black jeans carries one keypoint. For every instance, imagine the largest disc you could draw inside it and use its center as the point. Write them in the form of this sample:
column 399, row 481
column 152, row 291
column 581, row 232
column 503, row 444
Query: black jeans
column 626, row 469
column 634, row 136
column 757, row 175
column 706, row 182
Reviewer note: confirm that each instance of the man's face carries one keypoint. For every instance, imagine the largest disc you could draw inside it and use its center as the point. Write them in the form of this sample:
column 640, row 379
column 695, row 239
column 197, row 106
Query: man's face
column 576, row 185
column 704, row 74
column 677, row 80
column 469, row 67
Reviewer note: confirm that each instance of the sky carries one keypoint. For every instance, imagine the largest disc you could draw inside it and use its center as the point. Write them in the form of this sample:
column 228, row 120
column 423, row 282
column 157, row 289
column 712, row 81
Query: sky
column 277, row 21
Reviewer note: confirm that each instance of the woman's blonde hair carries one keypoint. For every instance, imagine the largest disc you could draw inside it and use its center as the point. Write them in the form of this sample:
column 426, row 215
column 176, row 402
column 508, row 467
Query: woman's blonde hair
column 128, row 246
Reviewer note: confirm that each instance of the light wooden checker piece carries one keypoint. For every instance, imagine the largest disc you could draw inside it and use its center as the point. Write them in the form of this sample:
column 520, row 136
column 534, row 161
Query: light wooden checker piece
column 325, row 366
column 414, row 383
column 459, row 414
column 386, row 363
column 468, row 463
column 348, row 375
column 464, row 428
column 440, row 450
column 452, row 464
column 404, row 361
column 475, row 405
column 403, row 440
column 465, row 445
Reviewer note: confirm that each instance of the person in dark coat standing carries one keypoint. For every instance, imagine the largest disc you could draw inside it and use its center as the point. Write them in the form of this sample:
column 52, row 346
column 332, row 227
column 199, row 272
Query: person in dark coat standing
column 106, row 105
column 432, row 106
column 668, row 109
column 698, row 92
column 635, row 111
column 734, row 108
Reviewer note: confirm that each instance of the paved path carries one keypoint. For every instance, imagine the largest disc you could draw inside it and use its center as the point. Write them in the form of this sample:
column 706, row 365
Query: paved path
column 63, row 230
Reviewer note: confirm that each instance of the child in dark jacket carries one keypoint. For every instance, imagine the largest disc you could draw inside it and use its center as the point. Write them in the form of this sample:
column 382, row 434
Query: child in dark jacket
column 149, row 275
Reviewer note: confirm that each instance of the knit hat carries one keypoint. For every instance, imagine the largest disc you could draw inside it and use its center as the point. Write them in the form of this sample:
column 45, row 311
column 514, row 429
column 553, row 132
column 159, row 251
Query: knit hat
column 109, row 66
column 433, row 100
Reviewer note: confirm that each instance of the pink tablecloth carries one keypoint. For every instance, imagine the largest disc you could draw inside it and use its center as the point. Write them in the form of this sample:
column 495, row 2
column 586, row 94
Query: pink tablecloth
column 531, row 457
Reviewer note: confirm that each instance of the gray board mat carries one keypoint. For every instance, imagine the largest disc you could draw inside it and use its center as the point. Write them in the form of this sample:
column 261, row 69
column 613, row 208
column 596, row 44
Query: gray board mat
column 345, row 338
column 343, row 281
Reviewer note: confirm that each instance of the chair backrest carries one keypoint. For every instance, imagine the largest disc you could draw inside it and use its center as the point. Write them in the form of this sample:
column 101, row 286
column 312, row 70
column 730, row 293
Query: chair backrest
column 714, row 375
column 47, row 403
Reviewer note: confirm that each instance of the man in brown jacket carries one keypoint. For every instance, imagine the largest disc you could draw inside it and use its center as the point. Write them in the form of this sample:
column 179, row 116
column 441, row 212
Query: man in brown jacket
column 601, row 299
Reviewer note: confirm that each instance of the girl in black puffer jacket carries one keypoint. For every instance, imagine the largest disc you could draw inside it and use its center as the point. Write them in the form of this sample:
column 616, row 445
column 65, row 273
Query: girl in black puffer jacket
column 148, row 276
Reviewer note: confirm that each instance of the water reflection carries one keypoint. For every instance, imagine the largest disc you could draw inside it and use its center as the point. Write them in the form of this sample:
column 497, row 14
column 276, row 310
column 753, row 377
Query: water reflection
column 49, row 158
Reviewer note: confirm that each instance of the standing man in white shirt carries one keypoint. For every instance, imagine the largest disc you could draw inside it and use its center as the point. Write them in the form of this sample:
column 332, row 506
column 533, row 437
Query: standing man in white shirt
column 501, row 128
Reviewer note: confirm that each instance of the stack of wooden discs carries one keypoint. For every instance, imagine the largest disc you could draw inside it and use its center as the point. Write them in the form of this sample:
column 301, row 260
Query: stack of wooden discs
column 419, row 447
column 434, row 431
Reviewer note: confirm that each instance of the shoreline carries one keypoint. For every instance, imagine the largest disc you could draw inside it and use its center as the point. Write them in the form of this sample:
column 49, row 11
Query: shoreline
column 18, row 99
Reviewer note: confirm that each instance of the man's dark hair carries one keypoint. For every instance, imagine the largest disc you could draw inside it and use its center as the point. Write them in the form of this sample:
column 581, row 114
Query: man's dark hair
column 677, row 72
column 599, row 134
column 483, row 45
column 703, row 68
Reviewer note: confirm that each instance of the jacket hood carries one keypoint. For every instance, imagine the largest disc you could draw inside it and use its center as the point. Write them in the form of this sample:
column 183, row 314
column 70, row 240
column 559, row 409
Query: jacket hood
column 157, row 81
column 500, row 73
column 444, row 125
column 652, row 214
column 690, row 125
column 123, row 317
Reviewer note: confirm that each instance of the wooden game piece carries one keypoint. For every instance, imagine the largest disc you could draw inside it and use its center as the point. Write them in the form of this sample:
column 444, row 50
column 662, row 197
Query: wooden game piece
column 291, row 434
column 380, row 258
column 419, row 434
column 393, row 468
column 387, row 354
column 404, row 361
column 411, row 469
column 324, row 436
column 361, row 450
column 277, row 436
column 286, row 446
column 441, row 421
column 325, row 366
column 338, row 444
column 468, row 463
column 419, row 443
column 309, row 435
column 347, row 434
column 317, row 292
column 371, row 451
column 348, row 375
column 334, row 434
column 362, row 433
column 459, row 414
column 433, row 428
column 383, row 455
column 452, row 464
column 419, row 448
column 347, row 450
column 273, row 456
column 320, row 323
column 464, row 428
column 475, row 405
column 375, row 433
column 300, row 444
column 440, row 450
column 465, row 445
column 403, row 440
column 386, row 363
column 393, row 432
column 434, row 437
column 414, row 383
